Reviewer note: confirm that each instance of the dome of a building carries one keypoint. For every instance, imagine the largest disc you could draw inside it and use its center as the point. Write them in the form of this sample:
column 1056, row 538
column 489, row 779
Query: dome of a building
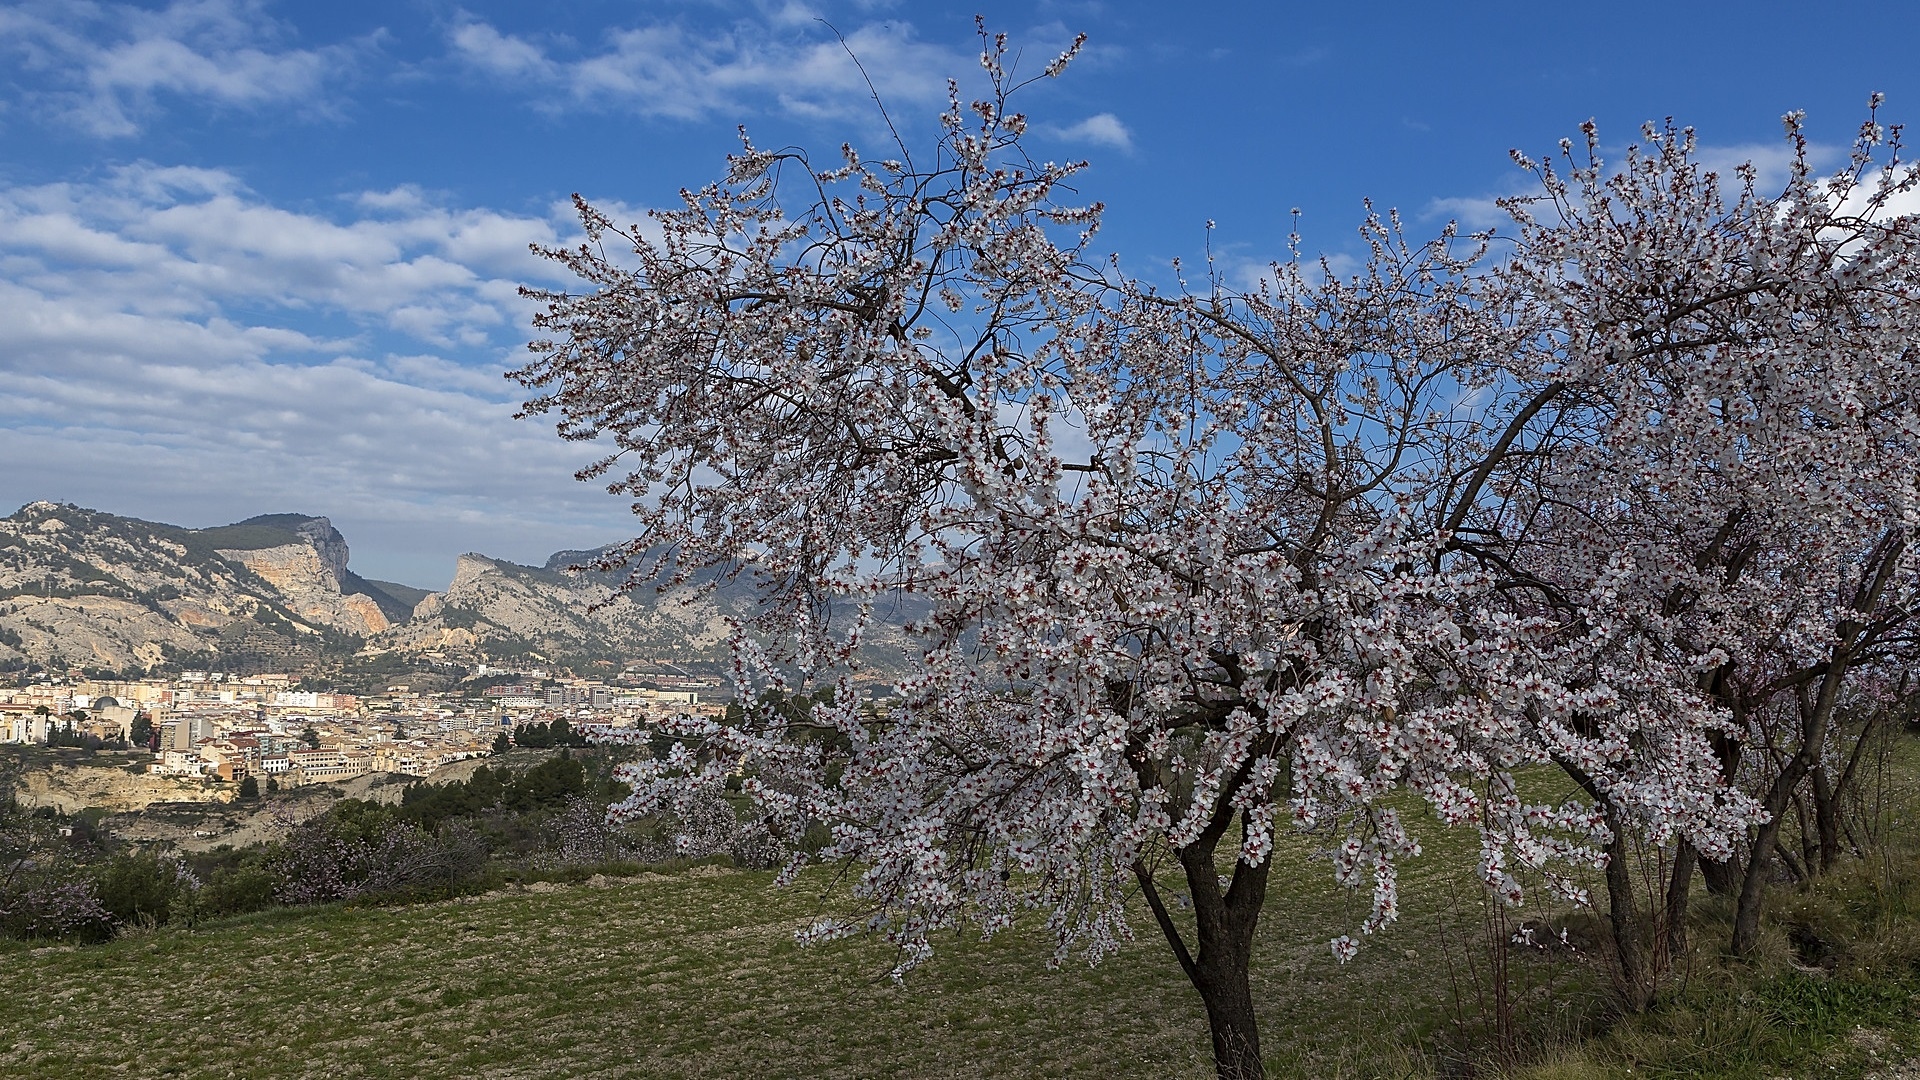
column 105, row 703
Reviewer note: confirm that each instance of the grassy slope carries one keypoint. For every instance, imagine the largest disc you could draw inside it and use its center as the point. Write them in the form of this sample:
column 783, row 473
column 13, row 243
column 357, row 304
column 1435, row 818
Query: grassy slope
column 690, row 974
column 695, row 973
column 681, row 976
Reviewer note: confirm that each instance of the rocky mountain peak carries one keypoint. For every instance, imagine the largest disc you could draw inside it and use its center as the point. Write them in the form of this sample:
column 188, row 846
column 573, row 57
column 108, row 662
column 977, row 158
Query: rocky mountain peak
column 81, row 587
column 88, row 588
column 326, row 540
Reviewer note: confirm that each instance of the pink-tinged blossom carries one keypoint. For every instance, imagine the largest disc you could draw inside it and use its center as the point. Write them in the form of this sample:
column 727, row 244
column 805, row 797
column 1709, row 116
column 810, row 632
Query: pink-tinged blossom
column 1311, row 544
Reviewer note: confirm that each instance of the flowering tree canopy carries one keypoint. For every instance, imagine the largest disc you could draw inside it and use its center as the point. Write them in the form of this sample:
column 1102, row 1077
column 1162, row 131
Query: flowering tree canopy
column 1200, row 562
column 1724, row 392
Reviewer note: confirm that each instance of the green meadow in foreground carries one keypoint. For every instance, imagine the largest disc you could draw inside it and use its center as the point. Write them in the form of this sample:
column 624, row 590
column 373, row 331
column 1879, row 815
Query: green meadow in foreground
column 695, row 972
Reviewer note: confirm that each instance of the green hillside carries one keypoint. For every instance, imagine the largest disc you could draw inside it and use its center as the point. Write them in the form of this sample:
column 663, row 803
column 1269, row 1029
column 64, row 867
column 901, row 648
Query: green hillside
column 695, row 974
column 264, row 531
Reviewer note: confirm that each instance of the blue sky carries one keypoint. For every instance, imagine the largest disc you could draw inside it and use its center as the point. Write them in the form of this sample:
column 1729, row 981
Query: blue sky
column 262, row 257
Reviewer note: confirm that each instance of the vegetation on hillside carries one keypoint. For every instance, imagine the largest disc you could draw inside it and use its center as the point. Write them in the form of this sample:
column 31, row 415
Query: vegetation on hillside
column 691, row 970
column 66, row 878
column 1459, row 988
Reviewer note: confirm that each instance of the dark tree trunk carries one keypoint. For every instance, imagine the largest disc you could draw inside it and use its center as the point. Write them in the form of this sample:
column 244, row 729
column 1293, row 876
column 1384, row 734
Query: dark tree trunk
column 1816, row 718
column 1829, row 796
column 1225, row 915
column 1636, row 976
column 1746, row 913
column 1637, row 971
column 1826, row 821
column 1804, row 817
column 1816, row 711
column 1723, row 878
column 1236, row 1033
column 1224, row 923
column 1678, row 887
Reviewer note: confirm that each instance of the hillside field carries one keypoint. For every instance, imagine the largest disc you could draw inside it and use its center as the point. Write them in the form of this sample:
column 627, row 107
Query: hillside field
column 694, row 972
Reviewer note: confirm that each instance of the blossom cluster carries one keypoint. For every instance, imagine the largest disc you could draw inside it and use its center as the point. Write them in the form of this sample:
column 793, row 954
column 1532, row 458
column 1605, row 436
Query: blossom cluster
column 1197, row 561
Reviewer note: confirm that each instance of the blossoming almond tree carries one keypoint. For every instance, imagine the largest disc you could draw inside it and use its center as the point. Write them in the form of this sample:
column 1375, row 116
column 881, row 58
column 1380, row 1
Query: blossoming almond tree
column 1190, row 556
column 1730, row 378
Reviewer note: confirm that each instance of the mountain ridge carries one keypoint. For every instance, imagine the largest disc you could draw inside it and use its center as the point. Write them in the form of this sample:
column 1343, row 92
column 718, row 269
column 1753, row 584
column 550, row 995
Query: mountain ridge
column 90, row 589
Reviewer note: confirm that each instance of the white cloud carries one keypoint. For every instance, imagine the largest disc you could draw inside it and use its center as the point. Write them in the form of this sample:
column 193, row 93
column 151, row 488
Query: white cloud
column 167, row 242
column 178, row 348
column 1476, row 212
column 500, row 54
column 1770, row 161
column 1104, row 129
column 788, row 61
column 106, row 67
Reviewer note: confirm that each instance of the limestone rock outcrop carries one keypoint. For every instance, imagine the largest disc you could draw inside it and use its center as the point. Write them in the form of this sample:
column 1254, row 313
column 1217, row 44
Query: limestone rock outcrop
column 313, row 580
column 82, row 588
column 505, row 610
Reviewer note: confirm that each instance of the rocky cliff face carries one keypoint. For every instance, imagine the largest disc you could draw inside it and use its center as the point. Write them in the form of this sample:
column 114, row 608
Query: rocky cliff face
column 502, row 609
column 507, row 609
column 328, row 546
column 83, row 588
column 313, row 581
column 70, row 790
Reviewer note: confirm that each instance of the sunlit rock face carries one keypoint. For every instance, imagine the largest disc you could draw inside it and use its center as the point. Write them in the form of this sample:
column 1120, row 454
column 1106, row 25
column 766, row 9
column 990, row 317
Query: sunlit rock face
column 82, row 588
column 311, row 578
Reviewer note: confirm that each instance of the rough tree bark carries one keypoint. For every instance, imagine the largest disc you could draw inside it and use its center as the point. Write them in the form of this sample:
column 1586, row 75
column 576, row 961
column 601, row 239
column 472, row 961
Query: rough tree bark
column 1224, row 924
column 1678, row 889
column 1636, row 968
column 1816, row 712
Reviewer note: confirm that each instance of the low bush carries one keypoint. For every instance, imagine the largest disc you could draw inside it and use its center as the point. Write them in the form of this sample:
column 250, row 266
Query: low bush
column 367, row 855
column 141, row 889
column 53, row 907
column 240, row 889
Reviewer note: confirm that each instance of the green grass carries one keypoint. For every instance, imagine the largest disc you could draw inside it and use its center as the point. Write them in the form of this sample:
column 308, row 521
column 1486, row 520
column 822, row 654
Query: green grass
column 694, row 972
column 685, row 975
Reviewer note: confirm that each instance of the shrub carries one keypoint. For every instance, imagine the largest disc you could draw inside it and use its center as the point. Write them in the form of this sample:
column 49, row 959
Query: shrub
column 579, row 835
column 46, row 906
column 142, row 889
column 363, row 853
column 239, row 889
column 45, row 891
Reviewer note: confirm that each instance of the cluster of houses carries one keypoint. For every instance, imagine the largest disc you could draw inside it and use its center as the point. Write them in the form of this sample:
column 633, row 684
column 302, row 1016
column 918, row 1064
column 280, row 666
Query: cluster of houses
column 216, row 726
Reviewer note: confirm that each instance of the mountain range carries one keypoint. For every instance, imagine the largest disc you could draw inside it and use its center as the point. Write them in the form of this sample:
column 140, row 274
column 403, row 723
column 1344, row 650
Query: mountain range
column 86, row 589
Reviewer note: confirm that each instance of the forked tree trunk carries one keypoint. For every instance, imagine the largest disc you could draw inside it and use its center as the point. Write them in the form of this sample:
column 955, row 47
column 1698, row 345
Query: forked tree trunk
column 1816, row 718
column 1224, row 924
column 1816, row 711
column 1830, row 795
column 1225, row 915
